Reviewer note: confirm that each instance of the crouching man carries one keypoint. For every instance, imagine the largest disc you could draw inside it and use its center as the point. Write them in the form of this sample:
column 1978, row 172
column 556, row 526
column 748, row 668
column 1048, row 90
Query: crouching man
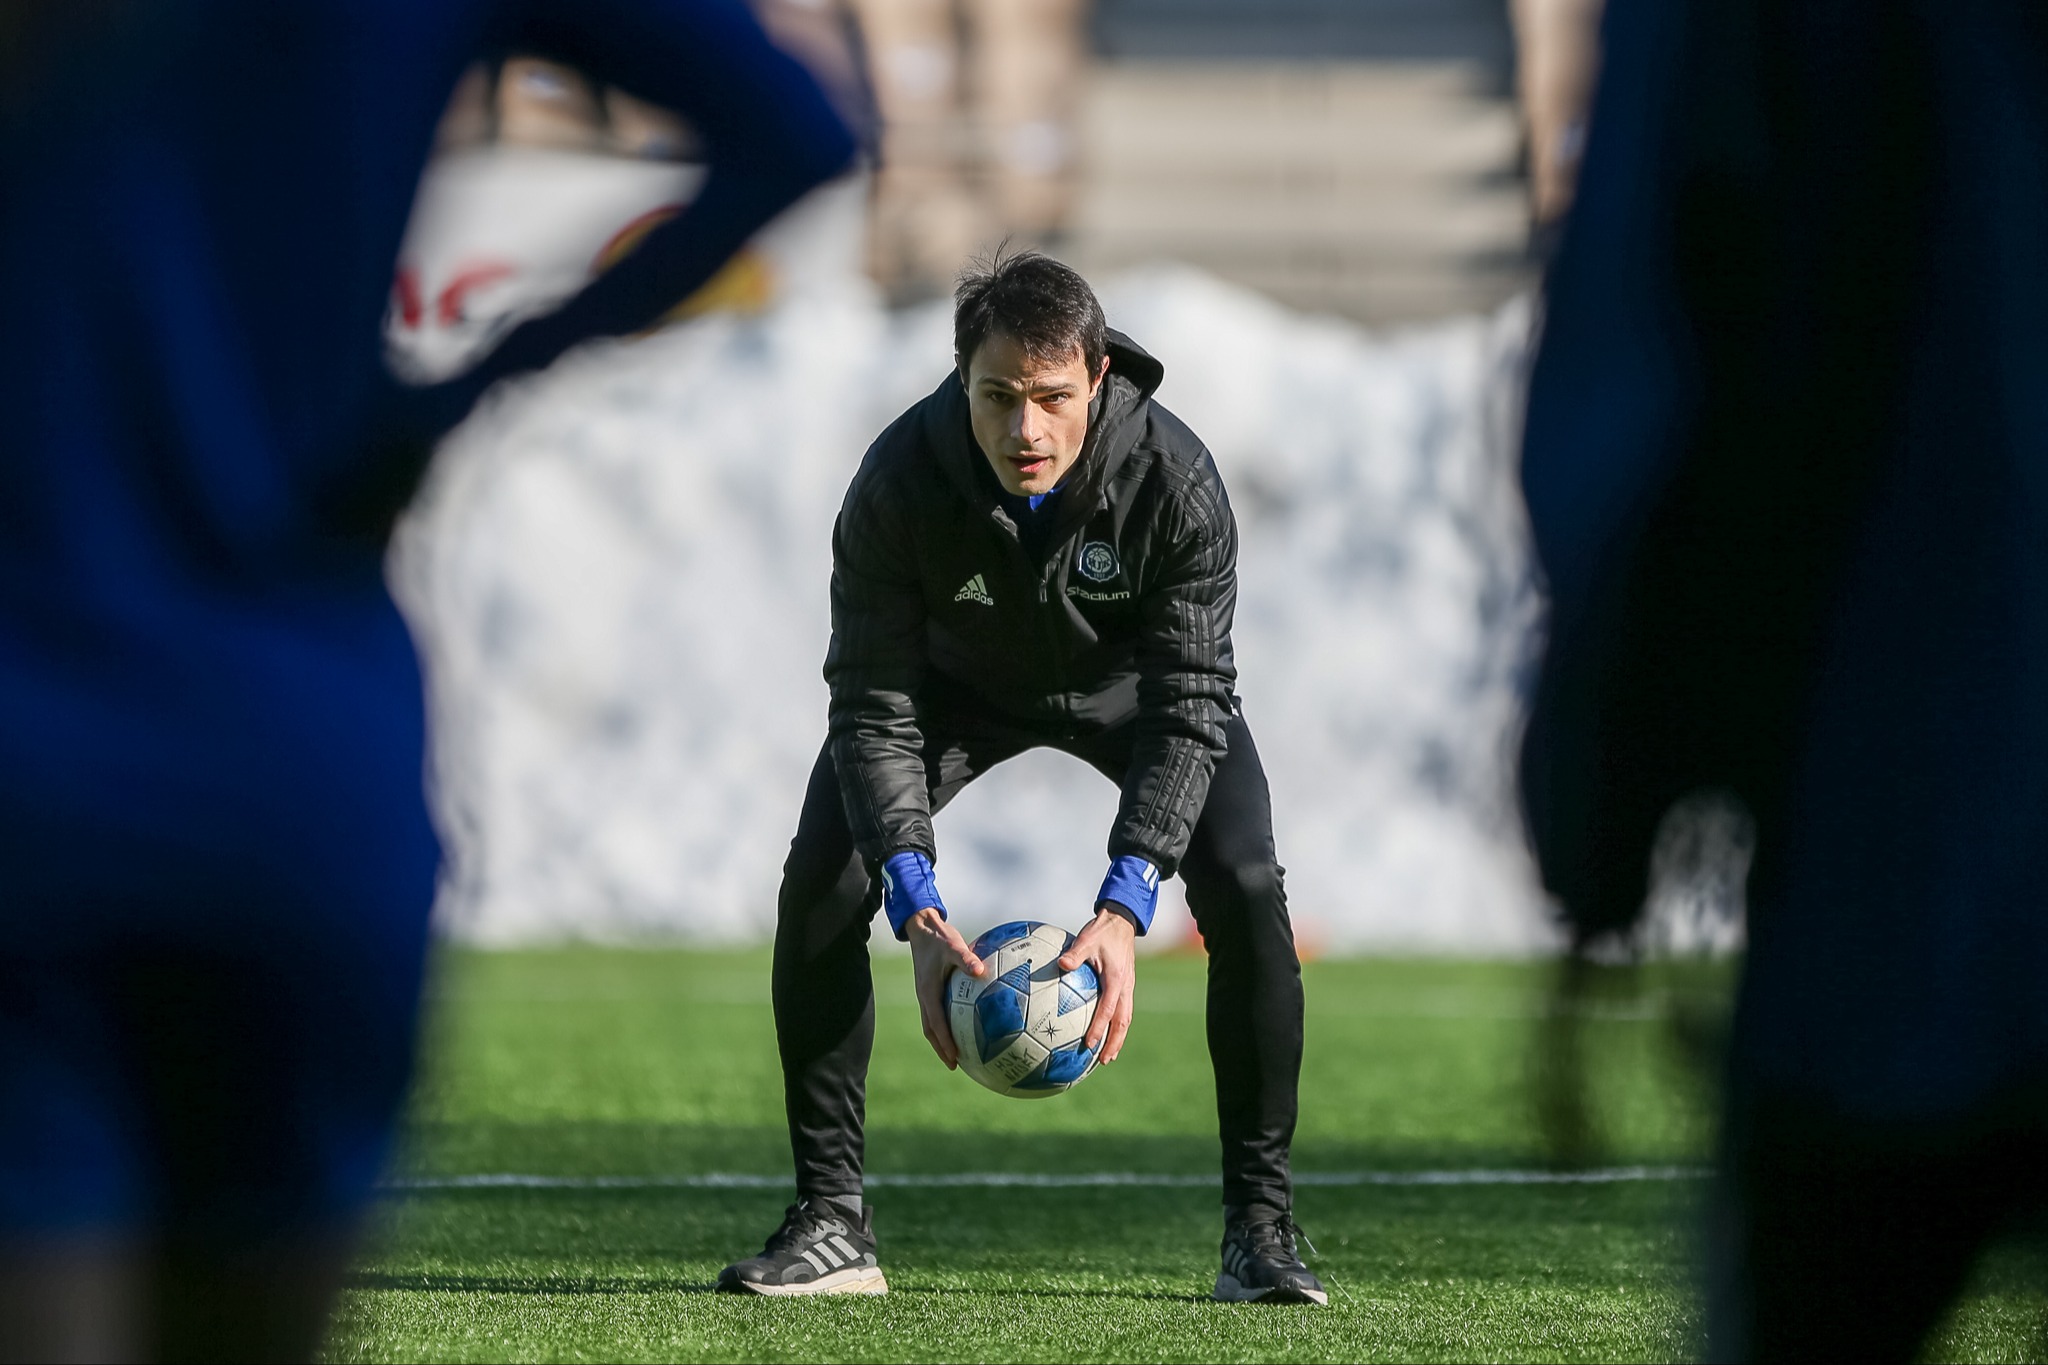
column 1035, row 555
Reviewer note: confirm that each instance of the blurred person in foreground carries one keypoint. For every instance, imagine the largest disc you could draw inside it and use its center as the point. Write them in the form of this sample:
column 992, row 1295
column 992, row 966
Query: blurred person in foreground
column 1037, row 555
column 1787, row 462
column 215, row 858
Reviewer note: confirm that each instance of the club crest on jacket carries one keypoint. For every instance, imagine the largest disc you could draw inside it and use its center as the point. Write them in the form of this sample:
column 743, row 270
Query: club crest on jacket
column 1098, row 562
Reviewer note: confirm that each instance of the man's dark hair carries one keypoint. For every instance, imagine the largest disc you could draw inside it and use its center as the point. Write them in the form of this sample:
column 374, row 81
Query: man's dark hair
column 1044, row 306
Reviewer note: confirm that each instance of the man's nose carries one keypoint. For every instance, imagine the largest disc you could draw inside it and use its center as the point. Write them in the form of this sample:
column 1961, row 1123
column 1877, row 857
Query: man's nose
column 1029, row 423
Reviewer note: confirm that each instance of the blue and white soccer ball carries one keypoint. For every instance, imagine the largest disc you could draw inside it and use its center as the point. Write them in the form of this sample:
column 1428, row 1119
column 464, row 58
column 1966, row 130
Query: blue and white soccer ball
column 1019, row 1026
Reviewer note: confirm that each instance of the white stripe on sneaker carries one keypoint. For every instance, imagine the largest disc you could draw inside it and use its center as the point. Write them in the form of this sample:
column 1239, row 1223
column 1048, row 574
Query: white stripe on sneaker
column 845, row 1247
column 825, row 1250
column 852, row 1280
column 816, row 1264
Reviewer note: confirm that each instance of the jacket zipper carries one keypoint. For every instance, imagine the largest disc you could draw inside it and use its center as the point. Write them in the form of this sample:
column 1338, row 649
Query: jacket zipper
column 1046, row 573
column 1050, row 625
column 1052, row 640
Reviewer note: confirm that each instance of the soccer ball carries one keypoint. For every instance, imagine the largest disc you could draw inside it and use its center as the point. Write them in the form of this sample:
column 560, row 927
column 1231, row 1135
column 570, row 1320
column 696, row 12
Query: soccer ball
column 1019, row 1027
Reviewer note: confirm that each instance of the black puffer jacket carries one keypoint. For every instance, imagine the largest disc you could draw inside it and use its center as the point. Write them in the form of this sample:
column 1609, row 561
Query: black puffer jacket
column 937, row 607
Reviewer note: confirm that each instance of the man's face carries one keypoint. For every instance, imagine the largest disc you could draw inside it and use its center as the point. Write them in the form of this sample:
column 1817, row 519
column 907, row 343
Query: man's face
column 1030, row 416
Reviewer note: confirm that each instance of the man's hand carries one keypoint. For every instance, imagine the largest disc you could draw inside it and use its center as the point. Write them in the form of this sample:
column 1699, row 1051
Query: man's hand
column 1108, row 945
column 936, row 949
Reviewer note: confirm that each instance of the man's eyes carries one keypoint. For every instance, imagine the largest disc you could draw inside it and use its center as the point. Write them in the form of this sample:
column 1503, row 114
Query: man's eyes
column 1003, row 398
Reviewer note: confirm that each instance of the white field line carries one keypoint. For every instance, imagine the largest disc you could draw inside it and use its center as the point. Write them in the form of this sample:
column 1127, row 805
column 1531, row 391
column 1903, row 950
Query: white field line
column 1609, row 1175
column 1446, row 1005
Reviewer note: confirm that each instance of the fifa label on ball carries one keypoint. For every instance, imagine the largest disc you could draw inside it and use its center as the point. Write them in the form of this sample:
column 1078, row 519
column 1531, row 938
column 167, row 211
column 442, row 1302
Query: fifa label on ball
column 1021, row 1027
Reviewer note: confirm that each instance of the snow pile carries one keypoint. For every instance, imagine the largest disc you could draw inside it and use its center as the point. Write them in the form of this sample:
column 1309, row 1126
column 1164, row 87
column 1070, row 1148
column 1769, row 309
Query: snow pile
column 618, row 574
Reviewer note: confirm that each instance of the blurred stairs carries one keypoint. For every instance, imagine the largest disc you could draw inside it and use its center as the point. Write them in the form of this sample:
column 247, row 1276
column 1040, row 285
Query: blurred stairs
column 1358, row 157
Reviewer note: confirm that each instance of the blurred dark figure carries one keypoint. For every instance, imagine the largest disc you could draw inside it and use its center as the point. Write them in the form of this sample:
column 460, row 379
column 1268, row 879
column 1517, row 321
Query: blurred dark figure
column 215, row 858
column 1787, row 460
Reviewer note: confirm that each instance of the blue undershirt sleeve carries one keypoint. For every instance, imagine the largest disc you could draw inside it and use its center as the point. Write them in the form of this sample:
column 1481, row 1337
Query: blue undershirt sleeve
column 1132, row 883
column 908, row 886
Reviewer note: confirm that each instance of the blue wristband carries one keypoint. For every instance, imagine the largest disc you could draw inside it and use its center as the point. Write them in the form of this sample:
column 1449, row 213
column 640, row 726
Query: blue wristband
column 908, row 887
column 1132, row 883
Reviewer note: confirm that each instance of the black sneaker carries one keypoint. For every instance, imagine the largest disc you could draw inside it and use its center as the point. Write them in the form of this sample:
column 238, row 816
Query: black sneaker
column 817, row 1250
column 1259, row 1264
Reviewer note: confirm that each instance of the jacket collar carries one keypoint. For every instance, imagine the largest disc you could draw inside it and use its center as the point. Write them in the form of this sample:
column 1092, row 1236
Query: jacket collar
column 1115, row 422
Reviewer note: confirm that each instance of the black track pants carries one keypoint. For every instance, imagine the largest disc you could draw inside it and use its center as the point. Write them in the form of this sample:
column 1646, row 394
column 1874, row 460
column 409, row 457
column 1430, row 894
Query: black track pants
column 824, row 995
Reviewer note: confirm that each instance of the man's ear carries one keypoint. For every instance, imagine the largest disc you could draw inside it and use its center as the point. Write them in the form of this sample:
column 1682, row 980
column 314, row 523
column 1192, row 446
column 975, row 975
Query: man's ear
column 1101, row 373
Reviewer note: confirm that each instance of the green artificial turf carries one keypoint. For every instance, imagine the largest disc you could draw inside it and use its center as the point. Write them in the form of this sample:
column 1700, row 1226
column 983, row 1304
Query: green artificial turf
column 588, row 1063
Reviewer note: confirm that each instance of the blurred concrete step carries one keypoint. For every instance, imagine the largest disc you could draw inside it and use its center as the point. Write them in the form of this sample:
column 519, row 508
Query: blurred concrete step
column 1324, row 106
column 1353, row 156
column 1304, row 30
column 1424, row 220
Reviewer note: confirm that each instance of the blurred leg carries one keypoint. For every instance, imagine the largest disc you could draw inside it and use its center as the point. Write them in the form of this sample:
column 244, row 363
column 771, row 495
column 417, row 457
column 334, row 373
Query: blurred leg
column 273, row 1068
column 71, row 1300
column 1557, row 50
column 266, row 1301
column 1844, row 1241
column 1028, row 59
column 193, row 1124
column 927, row 214
column 73, row 1282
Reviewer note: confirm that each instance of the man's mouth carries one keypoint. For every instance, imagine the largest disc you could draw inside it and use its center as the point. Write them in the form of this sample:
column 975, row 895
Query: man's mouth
column 1028, row 465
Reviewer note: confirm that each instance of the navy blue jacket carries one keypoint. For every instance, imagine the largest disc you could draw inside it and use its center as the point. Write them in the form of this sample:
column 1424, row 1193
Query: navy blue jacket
column 207, row 699
column 1787, row 463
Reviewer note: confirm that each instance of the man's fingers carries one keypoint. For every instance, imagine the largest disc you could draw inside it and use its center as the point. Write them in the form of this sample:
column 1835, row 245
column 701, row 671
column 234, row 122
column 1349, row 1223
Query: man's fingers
column 941, row 1031
column 1098, row 1024
column 1108, row 1005
column 937, row 951
column 948, row 938
column 962, row 954
column 940, row 1036
column 1080, row 950
column 1120, row 1024
column 931, row 1013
